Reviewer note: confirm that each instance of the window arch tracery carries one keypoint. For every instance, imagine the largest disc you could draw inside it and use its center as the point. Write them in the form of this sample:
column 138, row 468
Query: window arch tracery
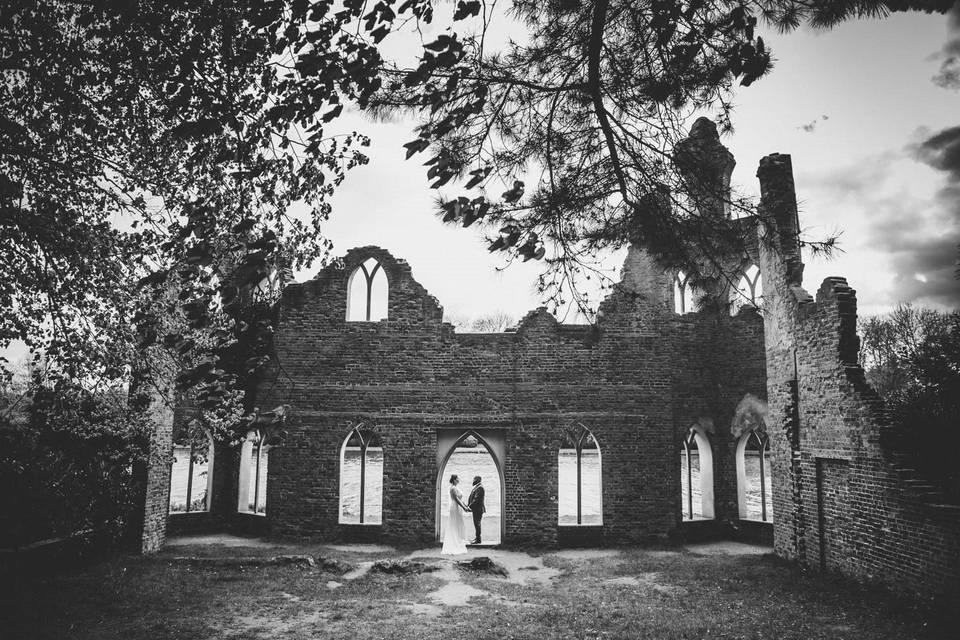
column 749, row 290
column 579, row 475
column 684, row 300
column 696, row 476
column 361, row 478
column 753, row 477
column 367, row 292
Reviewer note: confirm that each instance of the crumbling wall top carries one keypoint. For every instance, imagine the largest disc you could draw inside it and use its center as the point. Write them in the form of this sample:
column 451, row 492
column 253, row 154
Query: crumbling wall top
column 706, row 166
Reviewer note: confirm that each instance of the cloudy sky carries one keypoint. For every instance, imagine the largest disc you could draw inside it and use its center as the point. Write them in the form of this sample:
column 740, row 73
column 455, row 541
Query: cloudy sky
column 870, row 112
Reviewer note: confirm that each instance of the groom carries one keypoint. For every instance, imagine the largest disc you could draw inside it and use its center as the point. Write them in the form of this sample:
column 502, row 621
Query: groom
column 475, row 504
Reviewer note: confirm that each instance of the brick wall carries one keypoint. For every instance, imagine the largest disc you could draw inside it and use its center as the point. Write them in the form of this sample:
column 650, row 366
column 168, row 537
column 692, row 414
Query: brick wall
column 840, row 499
column 638, row 380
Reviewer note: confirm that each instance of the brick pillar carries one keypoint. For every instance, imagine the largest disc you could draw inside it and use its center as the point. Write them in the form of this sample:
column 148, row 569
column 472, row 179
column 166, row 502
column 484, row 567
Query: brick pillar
column 781, row 267
column 154, row 386
column 778, row 210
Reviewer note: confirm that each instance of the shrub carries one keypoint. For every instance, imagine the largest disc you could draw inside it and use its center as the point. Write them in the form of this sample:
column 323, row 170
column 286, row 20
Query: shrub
column 69, row 461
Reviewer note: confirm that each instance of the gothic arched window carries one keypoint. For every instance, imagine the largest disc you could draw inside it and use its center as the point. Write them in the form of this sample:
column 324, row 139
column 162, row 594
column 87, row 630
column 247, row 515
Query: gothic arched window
column 252, row 484
column 361, row 478
column 749, row 290
column 367, row 291
column 683, row 299
column 579, row 491
column 191, row 474
column 753, row 477
column 696, row 476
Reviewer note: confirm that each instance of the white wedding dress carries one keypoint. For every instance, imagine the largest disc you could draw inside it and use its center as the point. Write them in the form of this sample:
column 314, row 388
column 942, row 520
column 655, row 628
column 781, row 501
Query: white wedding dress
column 455, row 537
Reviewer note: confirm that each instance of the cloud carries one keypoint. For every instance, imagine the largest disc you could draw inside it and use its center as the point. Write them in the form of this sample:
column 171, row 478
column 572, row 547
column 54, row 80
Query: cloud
column 941, row 151
column 901, row 222
column 923, row 255
column 930, row 250
column 856, row 180
column 949, row 75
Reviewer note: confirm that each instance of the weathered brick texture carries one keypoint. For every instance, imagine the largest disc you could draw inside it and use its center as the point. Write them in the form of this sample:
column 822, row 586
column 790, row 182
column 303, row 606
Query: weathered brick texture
column 158, row 388
column 638, row 380
column 840, row 499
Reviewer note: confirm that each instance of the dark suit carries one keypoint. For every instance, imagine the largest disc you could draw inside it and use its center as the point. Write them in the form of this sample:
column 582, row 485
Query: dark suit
column 475, row 504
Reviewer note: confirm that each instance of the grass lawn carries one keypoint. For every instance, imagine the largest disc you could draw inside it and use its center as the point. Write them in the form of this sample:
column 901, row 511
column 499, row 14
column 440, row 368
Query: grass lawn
column 623, row 593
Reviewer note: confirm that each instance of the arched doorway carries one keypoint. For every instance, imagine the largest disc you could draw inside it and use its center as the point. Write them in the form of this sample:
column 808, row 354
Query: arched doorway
column 469, row 453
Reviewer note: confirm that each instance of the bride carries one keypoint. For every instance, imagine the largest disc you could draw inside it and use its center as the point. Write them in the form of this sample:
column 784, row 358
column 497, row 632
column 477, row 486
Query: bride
column 454, row 540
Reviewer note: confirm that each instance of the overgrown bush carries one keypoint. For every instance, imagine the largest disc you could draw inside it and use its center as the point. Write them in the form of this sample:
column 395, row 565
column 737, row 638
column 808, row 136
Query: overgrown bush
column 68, row 461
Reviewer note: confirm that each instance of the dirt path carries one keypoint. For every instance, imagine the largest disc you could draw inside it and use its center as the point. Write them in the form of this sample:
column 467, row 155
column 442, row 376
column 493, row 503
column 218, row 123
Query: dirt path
column 457, row 590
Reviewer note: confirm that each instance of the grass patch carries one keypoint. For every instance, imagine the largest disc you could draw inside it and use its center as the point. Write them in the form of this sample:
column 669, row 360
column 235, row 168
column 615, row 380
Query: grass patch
column 632, row 594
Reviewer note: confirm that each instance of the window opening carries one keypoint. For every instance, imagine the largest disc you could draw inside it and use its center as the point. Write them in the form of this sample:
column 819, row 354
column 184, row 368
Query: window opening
column 361, row 478
column 367, row 295
column 696, row 476
column 191, row 473
column 579, row 479
column 254, row 469
column 683, row 299
column 753, row 470
column 691, row 457
column 749, row 290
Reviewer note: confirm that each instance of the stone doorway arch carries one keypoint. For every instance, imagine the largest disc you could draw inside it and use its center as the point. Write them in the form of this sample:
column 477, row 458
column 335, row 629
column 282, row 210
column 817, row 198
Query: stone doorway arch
column 493, row 442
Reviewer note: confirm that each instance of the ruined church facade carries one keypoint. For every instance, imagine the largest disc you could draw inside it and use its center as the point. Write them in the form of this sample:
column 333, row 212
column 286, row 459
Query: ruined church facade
column 643, row 386
column 637, row 382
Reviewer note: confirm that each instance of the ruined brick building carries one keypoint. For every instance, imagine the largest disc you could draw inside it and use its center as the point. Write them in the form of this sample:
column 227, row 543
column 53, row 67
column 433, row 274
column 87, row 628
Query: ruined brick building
column 641, row 426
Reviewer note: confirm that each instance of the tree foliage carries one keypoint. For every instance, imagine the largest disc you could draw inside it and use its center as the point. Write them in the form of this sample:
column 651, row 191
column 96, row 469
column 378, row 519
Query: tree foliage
column 912, row 359
column 567, row 142
column 150, row 153
column 161, row 144
column 149, row 156
column 68, row 456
